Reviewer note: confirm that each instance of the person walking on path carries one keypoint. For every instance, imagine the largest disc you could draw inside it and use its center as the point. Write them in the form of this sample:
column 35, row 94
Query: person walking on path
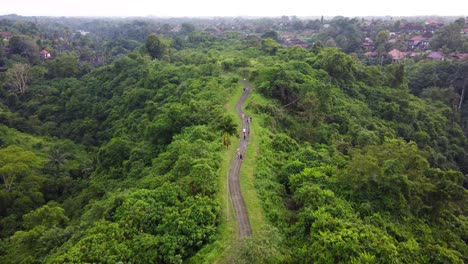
column 239, row 154
column 243, row 132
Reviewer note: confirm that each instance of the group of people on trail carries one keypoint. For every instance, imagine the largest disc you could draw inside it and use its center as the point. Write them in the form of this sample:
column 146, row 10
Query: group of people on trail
column 239, row 154
column 248, row 121
column 246, row 132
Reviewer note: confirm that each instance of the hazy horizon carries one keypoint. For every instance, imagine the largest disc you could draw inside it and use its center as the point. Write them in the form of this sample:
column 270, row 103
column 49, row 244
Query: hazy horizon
column 244, row 8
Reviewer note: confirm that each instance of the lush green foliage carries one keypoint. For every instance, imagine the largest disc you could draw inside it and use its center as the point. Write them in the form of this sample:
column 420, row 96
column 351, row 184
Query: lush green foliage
column 111, row 151
column 366, row 172
column 138, row 185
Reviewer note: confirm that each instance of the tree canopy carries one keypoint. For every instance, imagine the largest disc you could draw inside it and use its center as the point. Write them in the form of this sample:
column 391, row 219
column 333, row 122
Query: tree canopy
column 113, row 149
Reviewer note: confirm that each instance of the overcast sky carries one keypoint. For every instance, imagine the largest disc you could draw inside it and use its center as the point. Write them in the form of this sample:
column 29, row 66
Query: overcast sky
column 194, row 8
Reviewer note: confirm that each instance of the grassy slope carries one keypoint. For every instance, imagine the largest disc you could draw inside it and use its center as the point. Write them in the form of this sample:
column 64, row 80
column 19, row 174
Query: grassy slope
column 247, row 177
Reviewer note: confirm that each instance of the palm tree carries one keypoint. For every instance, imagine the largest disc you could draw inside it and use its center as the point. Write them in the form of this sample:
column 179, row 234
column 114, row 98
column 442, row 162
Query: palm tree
column 228, row 128
column 57, row 159
column 89, row 166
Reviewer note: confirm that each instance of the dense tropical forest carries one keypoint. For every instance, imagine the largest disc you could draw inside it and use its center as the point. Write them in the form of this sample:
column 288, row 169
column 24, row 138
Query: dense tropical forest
column 116, row 135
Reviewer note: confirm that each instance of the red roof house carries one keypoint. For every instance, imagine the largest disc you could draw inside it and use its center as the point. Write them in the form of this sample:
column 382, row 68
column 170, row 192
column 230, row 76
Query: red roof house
column 397, row 55
column 436, row 55
column 418, row 41
column 45, row 54
column 433, row 22
column 6, row 35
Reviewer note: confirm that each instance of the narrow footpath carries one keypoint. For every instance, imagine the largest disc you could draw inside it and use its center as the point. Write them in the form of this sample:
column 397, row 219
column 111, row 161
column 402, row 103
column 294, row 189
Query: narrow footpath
column 240, row 211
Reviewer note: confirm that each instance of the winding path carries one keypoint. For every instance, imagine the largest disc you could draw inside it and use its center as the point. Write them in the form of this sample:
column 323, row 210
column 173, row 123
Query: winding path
column 240, row 211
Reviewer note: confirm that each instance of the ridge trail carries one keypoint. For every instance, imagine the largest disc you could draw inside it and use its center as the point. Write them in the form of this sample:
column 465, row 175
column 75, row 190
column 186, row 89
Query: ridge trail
column 240, row 211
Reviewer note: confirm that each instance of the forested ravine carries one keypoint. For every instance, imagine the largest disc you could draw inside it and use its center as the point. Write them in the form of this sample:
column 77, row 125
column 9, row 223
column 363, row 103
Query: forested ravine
column 115, row 143
column 240, row 211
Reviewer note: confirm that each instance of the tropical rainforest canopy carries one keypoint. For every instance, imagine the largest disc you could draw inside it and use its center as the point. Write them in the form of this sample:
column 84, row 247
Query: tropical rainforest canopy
column 114, row 150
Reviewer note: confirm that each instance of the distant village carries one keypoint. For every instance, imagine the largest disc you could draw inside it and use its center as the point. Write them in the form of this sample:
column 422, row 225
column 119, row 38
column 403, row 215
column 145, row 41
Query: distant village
column 373, row 40
column 408, row 41
column 403, row 39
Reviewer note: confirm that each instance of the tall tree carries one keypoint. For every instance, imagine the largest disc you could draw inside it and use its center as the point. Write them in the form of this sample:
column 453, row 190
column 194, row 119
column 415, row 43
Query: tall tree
column 26, row 47
column 448, row 37
column 270, row 46
column 186, row 28
column 16, row 162
column 65, row 65
column 155, row 46
column 270, row 34
column 18, row 77
column 380, row 41
column 228, row 129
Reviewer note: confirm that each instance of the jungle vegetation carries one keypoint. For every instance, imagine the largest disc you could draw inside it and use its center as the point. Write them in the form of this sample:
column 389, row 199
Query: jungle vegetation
column 111, row 151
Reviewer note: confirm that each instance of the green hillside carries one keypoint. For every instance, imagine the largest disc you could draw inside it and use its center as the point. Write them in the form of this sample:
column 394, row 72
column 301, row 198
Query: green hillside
column 355, row 169
column 119, row 155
